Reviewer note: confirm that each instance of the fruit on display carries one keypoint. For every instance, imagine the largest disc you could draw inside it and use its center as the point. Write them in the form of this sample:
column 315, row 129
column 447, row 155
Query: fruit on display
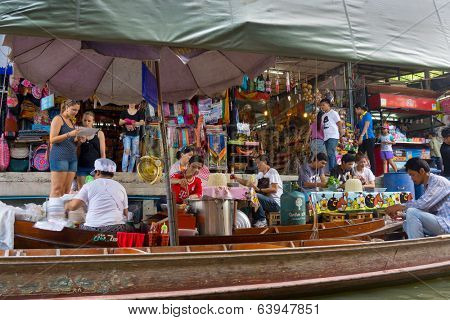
column 307, row 94
column 317, row 96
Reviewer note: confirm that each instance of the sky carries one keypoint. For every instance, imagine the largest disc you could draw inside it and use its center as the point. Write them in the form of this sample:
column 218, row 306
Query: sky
column 4, row 51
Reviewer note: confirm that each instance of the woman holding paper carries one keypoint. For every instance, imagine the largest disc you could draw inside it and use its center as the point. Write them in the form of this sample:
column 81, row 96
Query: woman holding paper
column 92, row 149
column 63, row 150
column 131, row 119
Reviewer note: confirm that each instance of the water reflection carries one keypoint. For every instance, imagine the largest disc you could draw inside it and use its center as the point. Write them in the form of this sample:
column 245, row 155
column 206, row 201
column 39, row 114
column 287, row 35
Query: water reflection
column 438, row 288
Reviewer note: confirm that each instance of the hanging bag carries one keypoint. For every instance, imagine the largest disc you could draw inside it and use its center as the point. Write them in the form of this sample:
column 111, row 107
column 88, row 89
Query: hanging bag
column 19, row 151
column 11, row 126
column 19, row 165
column 4, row 154
column 40, row 158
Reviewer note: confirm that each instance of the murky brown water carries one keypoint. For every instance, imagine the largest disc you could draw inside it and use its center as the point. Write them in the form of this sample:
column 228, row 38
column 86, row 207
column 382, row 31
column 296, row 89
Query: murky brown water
column 438, row 288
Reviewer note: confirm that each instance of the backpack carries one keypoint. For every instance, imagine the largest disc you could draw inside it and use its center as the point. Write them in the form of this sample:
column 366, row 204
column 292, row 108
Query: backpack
column 4, row 154
column 40, row 158
column 11, row 126
column 18, row 165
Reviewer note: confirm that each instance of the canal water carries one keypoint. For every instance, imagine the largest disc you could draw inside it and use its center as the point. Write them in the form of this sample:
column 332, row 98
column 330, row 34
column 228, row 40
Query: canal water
column 438, row 288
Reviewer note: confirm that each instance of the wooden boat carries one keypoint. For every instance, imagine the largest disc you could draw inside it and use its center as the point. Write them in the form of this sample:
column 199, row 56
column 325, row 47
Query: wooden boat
column 276, row 269
column 336, row 229
column 27, row 237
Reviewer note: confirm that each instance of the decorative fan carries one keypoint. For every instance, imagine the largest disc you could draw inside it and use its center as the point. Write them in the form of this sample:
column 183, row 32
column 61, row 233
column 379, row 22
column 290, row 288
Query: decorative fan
column 150, row 169
column 204, row 173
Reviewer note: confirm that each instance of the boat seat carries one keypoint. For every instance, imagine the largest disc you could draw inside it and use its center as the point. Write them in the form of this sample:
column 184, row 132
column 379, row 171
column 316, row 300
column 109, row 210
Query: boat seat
column 331, row 217
column 360, row 215
column 273, row 218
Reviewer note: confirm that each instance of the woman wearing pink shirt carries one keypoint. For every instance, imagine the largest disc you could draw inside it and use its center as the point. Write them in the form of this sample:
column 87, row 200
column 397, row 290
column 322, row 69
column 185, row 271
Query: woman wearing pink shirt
column 317, row 144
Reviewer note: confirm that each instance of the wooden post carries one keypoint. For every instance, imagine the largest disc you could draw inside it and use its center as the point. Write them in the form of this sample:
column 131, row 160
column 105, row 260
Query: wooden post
column 162, row 124
column 350, row 93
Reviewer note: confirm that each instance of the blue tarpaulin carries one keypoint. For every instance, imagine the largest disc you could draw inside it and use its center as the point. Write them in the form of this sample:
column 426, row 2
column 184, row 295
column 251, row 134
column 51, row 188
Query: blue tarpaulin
column 149, row 86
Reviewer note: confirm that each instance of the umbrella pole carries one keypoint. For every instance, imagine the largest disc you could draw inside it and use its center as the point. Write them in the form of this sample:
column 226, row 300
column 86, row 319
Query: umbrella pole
column 173, row 234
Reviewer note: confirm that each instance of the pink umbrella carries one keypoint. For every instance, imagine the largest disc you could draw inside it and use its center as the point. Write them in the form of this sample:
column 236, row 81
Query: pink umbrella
column 78, row 70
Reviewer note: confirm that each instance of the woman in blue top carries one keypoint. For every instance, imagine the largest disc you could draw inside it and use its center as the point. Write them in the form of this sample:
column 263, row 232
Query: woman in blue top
column 366, row 139
column 63, row 151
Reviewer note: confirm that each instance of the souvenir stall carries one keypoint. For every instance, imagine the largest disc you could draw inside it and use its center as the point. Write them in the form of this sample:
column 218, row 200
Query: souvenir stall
column 201, row 124
column 409, row 118
column 28, row 113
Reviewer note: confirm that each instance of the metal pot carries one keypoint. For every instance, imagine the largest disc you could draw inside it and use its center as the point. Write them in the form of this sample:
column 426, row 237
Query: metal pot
column 214, row 216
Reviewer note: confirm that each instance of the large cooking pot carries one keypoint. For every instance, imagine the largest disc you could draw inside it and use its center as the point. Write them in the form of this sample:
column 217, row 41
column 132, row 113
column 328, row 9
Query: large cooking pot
column 214, row 216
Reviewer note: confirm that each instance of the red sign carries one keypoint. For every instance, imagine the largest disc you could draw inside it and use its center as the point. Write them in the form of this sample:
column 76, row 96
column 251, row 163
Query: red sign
column 445, row 105
column 393, row 101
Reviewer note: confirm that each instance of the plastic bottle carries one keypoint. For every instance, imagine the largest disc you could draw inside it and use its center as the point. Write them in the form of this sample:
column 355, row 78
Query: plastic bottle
column 164, row 235
column 164, row 228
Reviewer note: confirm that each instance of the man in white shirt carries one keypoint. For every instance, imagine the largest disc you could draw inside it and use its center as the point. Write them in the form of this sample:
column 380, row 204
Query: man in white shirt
column 106, row 200
column 332, row 129
column 269, row 189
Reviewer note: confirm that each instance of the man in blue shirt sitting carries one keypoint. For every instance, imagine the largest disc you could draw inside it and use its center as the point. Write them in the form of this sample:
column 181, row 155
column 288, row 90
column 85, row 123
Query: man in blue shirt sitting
column 430, row 214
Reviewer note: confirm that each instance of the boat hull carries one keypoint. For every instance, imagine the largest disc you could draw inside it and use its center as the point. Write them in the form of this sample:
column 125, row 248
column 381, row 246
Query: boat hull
column 221, row 273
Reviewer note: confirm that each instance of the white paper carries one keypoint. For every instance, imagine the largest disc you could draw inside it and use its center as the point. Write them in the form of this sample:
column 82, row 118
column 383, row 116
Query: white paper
column 86, row 132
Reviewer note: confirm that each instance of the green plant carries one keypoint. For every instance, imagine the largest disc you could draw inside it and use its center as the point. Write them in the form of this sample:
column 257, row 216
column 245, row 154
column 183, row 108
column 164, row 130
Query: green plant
column 333, row 182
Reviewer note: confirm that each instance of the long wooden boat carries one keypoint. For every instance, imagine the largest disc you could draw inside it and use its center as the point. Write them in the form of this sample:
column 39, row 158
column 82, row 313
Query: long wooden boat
column 277, row 269
column 336, row 229
column 28, row 237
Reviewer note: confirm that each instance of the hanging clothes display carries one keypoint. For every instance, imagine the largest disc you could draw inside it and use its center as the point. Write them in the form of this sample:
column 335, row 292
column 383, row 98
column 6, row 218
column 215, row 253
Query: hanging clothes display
column 260, row 83
column 217, row 148
column 226, row 108
column 268, row 84
column 288, row 83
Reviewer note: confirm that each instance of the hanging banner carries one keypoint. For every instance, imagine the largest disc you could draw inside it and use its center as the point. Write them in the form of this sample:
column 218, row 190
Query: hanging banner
column 48, row 102
column 252, row 96
column 445, row 105
column 392, row 101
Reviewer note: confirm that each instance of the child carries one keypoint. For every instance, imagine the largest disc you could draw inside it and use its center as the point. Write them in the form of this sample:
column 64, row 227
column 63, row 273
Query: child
column 362, row 172
column 386, row 149
column 435, row 151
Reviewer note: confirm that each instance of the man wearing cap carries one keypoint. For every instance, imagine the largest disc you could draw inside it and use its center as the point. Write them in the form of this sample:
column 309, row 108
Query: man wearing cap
column 106, row 200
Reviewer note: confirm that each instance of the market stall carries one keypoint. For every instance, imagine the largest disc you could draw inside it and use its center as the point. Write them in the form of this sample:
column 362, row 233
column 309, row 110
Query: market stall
column 408, row 118
column 335, row 205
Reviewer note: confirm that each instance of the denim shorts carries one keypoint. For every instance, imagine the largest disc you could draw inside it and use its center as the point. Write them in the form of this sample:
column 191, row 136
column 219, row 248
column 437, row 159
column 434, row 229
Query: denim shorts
column 84, row 171
column 63, row 165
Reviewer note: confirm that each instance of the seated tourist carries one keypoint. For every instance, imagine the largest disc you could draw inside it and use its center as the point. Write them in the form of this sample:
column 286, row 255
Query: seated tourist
column 185, row 184
column 106, row 200
column 312, row 173
column 362, row 172
column 343, row 171
column 269, row 189
column 445, row 151
column 183, row 156
column 430, row 214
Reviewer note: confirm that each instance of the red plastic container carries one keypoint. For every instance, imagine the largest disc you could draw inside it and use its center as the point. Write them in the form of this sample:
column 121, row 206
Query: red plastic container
column 186, row 221
column 130, row 239
column 153, row 239
column 164, row 239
